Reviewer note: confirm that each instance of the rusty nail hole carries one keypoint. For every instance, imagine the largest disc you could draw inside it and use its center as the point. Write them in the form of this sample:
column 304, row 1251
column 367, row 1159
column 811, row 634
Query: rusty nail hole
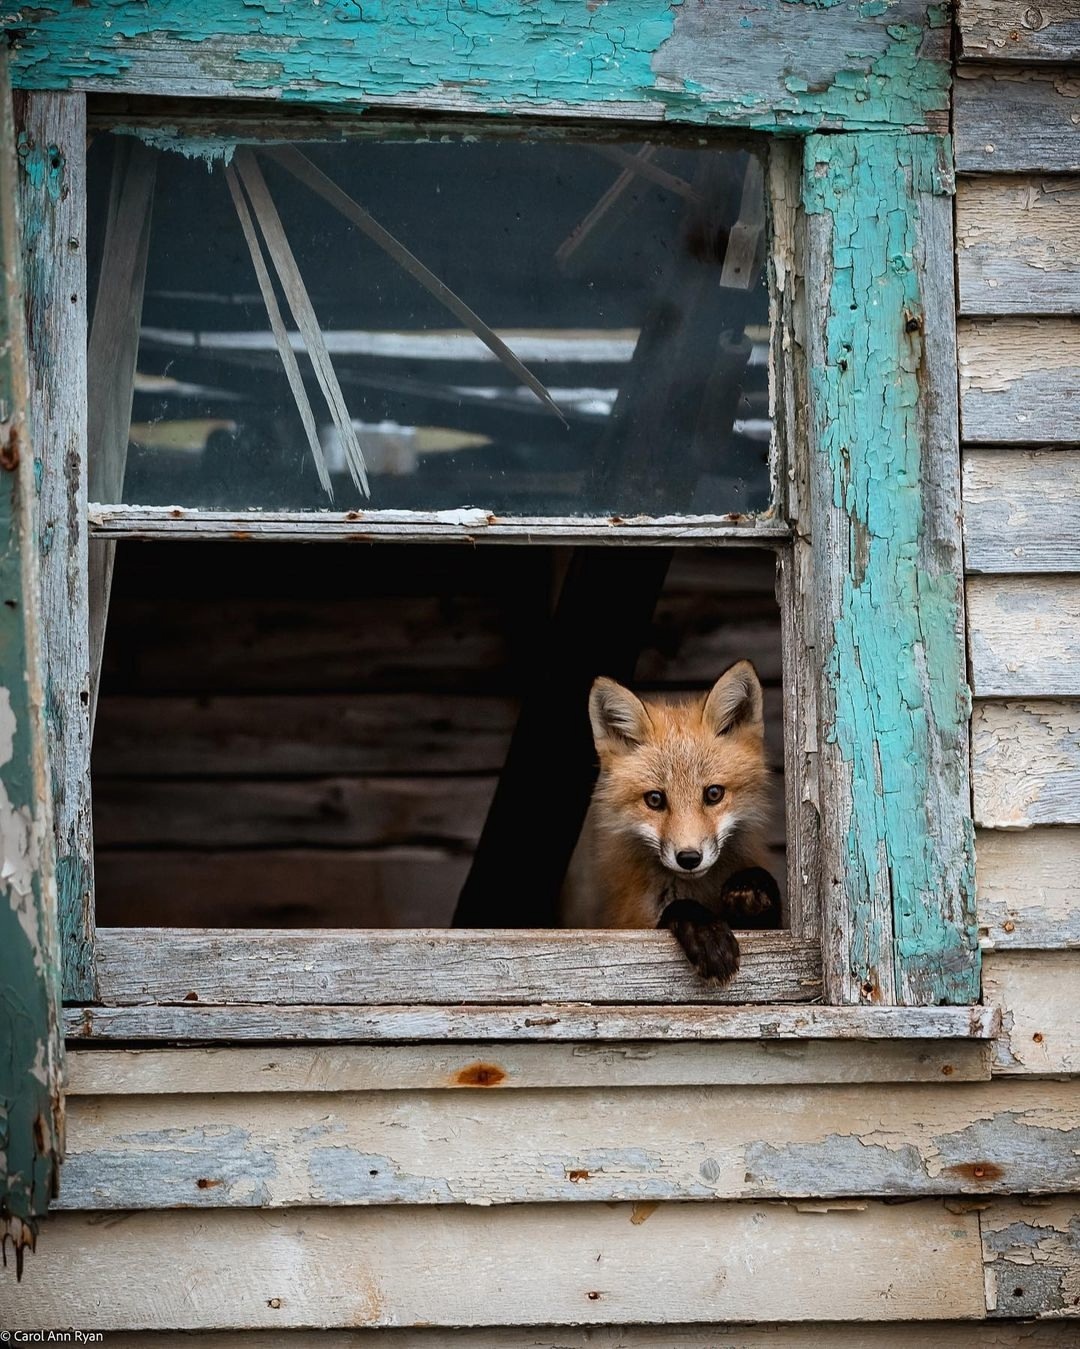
column 1038, row 1037
column 373, row 1172
column 868, row 988
column 595, row 1297
column 480, row 1075
column 978, row 1172
column 274, row 1302
column 1010, row 926
column 948, row 1069
column 1018, row 1292
column 577, row 1176
column 913, row 325
column 176, row 513
column 191, row 997
column 204, row 1183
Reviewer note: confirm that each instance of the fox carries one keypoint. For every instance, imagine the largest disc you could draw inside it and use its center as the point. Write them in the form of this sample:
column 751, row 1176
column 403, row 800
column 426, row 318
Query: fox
column 675, row 835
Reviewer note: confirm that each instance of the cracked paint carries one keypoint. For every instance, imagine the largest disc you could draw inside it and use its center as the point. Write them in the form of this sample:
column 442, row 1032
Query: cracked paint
column 31, row 1112
column 772, row 64
column 895, row 661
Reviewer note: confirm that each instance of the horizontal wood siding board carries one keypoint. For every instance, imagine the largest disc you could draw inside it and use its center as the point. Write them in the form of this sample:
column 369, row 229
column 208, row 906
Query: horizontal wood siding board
column 1019, row 510
column 1038, row 993
column 281, row 888
column 1009, row 120
column 480, row 1067
column 1026, row 763
column 142, row 965
column 940, row 1334
column 1020, row 380
column 1018, row 245
column 546, row 1021
column 474, row 1266
column 1024, row 636
column 263, row 735
column 791, row 66
column 649, row 1145
column 1032, row 1258
column 1029, row 888
column 1012, row 30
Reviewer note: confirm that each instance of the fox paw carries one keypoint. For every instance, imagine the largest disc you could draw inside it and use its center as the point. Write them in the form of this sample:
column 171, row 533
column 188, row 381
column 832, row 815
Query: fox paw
column 707, row 940
column 751, row 899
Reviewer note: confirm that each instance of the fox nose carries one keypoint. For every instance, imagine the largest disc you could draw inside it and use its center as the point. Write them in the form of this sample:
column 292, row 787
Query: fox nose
column 688, row 860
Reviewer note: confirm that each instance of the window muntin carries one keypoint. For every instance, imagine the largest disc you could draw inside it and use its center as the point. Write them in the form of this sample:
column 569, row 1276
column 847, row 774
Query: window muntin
column 627, row 278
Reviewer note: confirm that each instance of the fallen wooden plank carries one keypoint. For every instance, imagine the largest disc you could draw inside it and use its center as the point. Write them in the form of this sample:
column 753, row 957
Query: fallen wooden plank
column 1011, row 30
column 645, row 1144
column 1032, row 1257
column 1026, row 763
column 1038, row 993
column 341, row 1068
column 279, row 888
column 1019, row 380
column 1028, row 885
column 1019, row 510
column 543, row 1021
column 468, row 1266
column 300, row 734
column 347, row 812
column 1018, row 245
column 1007, row 120
column 345, row 966
column 1024, row 636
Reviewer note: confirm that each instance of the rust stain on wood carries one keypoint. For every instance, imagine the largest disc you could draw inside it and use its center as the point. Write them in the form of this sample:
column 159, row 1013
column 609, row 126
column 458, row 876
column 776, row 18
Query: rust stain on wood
column 480, row 1075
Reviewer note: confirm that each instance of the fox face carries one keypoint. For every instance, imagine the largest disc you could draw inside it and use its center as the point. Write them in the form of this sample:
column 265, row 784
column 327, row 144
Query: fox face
column 684, row 781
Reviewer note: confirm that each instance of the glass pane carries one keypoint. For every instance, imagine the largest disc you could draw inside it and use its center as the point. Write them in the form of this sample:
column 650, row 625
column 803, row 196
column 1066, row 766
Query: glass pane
column 531, row 327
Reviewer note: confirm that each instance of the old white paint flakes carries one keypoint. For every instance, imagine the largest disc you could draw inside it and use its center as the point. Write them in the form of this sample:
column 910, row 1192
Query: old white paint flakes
column 649, row 1144
column 1020, row 511
column 1026, row 763
column 1032, row 1258
column 1038, row 993
column 1024, row 636
column 1019, row 379
column 1018, row 247
column 515, row 1266
column 1028, row 885
column 465, row 1067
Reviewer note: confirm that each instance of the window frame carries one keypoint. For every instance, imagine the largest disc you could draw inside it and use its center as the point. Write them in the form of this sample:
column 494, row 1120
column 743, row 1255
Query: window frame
column 868, row 958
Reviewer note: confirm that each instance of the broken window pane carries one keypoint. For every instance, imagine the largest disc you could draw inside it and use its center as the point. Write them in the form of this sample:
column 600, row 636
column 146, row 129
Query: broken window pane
column 531, row 327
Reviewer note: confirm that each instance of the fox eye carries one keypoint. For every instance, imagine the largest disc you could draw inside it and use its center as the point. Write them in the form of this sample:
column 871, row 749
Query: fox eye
column 655, row 800
column 713, row 794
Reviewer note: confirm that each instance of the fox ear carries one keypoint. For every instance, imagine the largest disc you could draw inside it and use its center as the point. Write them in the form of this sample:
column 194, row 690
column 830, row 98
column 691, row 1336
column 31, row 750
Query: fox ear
column 619, row 719
column 735, row 700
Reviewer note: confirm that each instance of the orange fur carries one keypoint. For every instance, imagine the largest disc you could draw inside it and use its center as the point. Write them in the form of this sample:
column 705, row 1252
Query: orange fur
column 624, row 870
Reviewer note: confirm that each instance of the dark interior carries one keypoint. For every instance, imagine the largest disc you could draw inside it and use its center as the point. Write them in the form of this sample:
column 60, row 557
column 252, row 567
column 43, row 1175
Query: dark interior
column 311, row 735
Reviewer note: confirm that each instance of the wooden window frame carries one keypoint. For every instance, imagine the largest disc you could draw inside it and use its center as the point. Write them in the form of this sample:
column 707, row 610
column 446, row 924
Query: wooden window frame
column 862, row 252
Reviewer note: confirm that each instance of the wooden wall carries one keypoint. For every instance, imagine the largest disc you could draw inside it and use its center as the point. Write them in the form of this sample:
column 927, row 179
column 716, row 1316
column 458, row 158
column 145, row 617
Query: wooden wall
column 318, row 743
column 745, row 1193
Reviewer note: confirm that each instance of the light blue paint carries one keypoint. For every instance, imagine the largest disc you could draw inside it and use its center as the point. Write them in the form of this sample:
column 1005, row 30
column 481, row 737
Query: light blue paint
column 896, row 655
column 776, row 64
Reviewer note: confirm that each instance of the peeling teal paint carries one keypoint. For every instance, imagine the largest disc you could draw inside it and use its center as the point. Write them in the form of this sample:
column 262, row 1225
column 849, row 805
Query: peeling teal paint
column 791, row 65
column 210, row 149
column 30, row 1107
column 896, row 655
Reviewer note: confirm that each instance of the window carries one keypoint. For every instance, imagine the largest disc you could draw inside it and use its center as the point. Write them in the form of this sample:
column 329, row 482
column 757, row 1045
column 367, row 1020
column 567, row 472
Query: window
column 484, row 380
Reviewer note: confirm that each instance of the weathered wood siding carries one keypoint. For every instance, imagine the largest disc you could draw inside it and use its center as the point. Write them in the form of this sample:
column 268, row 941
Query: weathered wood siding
column 1018, row 266
column 461, row 1183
